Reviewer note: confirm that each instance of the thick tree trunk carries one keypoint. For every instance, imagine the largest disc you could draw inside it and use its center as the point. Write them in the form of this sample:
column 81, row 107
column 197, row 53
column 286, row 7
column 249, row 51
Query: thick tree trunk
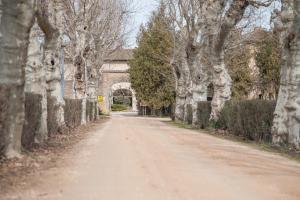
column 16, row 19
column 36, row 82
column 201, row 77
column 293, row 101
column 182, row 76
column 217, row 33
column 280, row 125
column 286, row 126
column 80, row 86
column 80, row 63
column 50, row 21
column 92, row 87
column 179, row 107
column 188, row 102
column 222, row 88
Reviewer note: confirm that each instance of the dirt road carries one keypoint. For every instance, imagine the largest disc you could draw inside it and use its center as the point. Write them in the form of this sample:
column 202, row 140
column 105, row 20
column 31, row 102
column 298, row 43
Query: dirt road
column 132, row 158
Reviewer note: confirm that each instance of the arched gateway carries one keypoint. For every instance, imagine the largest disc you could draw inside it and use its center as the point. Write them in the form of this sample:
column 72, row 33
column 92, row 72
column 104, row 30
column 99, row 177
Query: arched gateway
column 115, row 77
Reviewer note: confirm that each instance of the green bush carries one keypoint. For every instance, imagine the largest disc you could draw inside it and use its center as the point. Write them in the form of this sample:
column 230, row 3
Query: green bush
column 249, row 119
column 73, row 112
column 203, row 114
column 118, row 107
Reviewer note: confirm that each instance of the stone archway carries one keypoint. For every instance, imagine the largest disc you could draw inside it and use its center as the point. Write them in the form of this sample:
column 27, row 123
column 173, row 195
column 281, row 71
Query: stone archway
column 114, row 76
column 122, row 86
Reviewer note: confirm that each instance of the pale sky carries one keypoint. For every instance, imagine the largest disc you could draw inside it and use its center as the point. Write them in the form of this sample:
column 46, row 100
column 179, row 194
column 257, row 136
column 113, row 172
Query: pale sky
column 142, row 12
column 144, row 8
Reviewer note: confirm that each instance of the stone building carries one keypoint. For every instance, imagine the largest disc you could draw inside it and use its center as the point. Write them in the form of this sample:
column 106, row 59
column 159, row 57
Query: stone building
column 115, row 77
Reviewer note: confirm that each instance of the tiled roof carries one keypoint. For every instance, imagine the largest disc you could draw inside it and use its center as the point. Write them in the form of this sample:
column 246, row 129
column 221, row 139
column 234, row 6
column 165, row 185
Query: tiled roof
column 120, row 55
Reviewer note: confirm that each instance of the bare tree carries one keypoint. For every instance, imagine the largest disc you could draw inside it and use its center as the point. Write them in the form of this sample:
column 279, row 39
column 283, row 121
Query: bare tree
column 94, row 28
column 202, row 28
column 191, row 80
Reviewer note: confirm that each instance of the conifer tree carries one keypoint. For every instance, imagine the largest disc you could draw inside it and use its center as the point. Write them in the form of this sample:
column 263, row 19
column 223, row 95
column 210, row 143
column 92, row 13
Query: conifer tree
column 150, row 73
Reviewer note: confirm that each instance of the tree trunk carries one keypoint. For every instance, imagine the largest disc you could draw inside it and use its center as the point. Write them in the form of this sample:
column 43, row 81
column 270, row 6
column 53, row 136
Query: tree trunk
column 222, row 88
column 179, row 108
column 50, row 21
column 182, row 77
column 201, row 77
column 80, row 89
column 280, row 126
column 188, row 102
column 218, row 31
column 16, row 19
column 286, row 126
column 80, row 63
column 293, row 101
column 36, row 82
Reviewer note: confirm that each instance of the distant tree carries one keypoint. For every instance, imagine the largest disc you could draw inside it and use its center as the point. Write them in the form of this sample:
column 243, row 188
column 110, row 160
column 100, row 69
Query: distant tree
column 241, row 74
column 268, row 62
column 150, row 73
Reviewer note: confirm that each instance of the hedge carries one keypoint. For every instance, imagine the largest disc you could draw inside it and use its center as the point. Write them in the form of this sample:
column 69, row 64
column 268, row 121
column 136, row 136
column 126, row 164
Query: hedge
column 91, row 110
column 118, row 107
column 251, row 119
column 189, row 112
column 73, row 112
column 33, row 113
column 52, row 109
column 4, row 109
column 203, row 114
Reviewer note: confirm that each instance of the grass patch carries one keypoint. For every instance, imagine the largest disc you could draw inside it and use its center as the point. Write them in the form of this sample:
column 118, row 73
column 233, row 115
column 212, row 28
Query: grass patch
column 118, row 107
column 287, row 152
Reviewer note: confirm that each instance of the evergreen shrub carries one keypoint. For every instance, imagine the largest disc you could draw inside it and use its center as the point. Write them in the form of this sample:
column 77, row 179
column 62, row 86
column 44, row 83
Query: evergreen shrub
column 251, row 119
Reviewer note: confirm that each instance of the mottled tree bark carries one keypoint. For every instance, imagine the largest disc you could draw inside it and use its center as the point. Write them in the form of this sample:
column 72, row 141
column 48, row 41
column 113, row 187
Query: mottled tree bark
column 92, row 85
column 286, row 126
column 217, row 35
column 16, row 19
column 49, row 19
column 201, row 76
column 36, row 81
column 222, row 86
column 80, row 63
column 182, row 76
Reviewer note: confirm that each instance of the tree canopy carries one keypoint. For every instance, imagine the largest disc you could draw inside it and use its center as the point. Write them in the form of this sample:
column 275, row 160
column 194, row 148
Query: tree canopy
column 268, row 62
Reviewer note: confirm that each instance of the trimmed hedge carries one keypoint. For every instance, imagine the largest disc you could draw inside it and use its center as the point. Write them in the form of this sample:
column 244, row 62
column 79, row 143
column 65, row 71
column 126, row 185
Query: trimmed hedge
column 73, row 112
column 251, row 119
column 118, row 107
column 91, row 112
column 4, row 109
column 33, row 113
column 52, row 108
column 203, row 114
column 189, row 117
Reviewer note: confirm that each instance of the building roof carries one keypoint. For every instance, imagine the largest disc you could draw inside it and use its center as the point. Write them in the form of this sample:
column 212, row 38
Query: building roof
column 120, row 55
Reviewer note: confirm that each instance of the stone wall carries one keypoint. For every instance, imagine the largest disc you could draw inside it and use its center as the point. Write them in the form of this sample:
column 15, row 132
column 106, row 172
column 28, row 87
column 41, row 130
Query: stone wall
column 108, row 79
